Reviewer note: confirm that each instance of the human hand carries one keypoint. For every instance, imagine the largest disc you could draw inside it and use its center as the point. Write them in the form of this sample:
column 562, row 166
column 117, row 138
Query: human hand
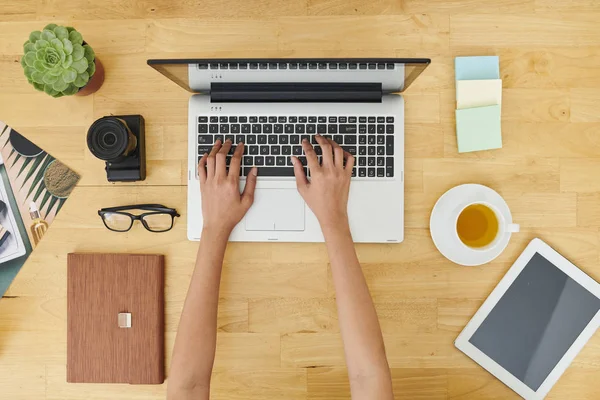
column 222, row 204
column 327, row 192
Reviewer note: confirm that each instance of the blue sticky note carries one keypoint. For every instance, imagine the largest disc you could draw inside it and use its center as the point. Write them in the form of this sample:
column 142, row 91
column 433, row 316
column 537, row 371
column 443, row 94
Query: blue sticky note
column 478, row 129
column 474, row 68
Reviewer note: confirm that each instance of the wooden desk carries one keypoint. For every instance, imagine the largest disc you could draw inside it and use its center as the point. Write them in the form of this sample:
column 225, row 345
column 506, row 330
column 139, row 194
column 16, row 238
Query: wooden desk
column 278, row 330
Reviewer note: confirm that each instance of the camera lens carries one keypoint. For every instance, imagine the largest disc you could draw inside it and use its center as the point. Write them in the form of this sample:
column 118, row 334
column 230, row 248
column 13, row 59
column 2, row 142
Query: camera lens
column 110, row 139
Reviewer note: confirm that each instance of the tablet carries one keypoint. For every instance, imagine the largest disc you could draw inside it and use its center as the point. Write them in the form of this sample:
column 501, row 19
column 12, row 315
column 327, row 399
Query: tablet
column 535, row 322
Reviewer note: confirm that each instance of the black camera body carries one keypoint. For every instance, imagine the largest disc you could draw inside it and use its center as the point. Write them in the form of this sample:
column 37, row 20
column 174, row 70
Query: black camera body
column 119, row 140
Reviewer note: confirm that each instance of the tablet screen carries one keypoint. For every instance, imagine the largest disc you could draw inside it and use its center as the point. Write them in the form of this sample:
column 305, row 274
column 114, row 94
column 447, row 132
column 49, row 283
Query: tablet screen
column 536, row 321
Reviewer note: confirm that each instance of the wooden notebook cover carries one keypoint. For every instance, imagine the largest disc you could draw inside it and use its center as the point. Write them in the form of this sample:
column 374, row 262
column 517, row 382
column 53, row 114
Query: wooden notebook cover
column 100, row 286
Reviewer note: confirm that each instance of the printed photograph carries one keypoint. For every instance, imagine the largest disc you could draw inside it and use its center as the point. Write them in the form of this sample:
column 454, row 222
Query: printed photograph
column 33, row 188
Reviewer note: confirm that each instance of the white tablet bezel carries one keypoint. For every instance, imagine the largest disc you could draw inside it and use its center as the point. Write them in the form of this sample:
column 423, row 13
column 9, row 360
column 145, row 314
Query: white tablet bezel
column 463, row 344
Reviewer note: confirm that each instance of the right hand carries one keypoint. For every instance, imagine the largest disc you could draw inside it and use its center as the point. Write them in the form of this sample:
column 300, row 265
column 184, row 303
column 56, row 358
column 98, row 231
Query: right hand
column 327, row 192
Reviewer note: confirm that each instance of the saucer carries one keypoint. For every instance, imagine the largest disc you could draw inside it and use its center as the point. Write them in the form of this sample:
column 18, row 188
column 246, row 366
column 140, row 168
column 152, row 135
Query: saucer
column 442, row 224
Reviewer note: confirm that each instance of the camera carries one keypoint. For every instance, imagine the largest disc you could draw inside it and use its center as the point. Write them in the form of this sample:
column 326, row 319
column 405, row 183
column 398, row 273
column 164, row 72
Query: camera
column 119, row 141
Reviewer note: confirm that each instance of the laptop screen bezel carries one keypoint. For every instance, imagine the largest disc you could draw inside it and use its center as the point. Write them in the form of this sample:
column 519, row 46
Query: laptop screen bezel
column 419, row 65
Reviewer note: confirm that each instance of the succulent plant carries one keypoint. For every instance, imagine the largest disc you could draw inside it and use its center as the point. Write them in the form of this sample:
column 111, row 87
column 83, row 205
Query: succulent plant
column 56, row 60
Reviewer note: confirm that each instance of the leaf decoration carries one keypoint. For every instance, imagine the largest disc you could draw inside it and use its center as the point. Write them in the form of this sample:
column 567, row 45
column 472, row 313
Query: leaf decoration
column 27, row 161
column 11, row 153
column 39, row 176
column 17, row 158
column 45, row 199
column 60, row 204
column 36, row 164
column 51, row 205
column 41, row 188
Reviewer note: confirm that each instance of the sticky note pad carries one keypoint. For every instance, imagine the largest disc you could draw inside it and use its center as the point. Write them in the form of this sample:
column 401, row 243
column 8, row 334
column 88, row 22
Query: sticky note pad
column 474, row 68
column 478, row 129
column 478, row 93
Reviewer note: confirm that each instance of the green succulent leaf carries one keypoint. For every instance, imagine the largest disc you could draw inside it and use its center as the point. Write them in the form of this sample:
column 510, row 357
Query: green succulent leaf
column 75, row 37
column 30, row 58
column 28, row 72
column 57, row 44
column 61, row 32
column 57, row 71
column 40, row 55
column 78, row 52
column 37, row 77
column 82, row 80
column 70, row 29
column 80, row 66
column 35, row 36
column 48, row 35
column 68, row 46
column 69, row 75
column 38, row 86
column 50, row 90
column 50, row 27
column 49, row 78
column 23, row 63
column 39, row 66
column 41, row 44
column 89, row 52
column 28, row 47
column 72, row 89
column 60, row 84
column 52, row 57
column 68, row 61
column 91, row 68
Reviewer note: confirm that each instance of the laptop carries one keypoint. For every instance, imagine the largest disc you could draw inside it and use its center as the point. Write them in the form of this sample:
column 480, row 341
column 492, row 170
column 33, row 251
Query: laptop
column 272, row 105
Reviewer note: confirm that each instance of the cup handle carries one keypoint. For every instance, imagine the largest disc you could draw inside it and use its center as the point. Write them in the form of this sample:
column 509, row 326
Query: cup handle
column 513, row 228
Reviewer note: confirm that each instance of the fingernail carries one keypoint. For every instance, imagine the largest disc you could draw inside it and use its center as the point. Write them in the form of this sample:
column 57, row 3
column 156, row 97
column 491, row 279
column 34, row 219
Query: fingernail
column 318, row 134
column 304, row 140
column 205, row 155
column 254, row 171
column 228, row 140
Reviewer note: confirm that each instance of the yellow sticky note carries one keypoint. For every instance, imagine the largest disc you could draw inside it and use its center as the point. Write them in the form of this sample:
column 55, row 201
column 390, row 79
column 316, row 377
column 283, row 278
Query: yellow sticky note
column 478, row 93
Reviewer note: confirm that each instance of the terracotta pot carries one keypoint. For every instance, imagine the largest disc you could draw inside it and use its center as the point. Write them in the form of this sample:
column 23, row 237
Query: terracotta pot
column 95, row 83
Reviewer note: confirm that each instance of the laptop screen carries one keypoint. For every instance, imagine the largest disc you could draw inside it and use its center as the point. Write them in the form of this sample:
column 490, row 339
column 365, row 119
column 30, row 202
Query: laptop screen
column 197, row 75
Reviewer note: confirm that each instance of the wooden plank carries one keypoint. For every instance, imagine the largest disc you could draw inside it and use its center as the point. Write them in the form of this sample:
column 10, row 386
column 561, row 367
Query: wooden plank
column 425, row 350
column 49, row 111
column 584, row 105
column 566, row 5
column 292, row 315
column 258, row 383
column 183, row 35
column 232, row 315
column 524, row 30
column 353, row 7
column 588, row 209
column 531, row 174
column 468, row 7
column 422, row 108
column 27, row 313
column 535, row 105
column 23, row 381
column 408, row 383
column 252, row 350
column 387, row 33
column 575, row 175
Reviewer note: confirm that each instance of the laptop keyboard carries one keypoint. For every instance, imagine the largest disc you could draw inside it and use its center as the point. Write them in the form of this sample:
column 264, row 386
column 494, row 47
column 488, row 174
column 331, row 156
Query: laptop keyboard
column 271, row 140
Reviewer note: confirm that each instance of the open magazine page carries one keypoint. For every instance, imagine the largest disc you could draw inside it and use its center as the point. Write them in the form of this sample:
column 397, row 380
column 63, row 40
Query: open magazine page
column 33, row 188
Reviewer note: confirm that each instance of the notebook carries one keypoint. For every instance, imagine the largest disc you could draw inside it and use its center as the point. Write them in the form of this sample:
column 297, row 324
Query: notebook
column 103, row 290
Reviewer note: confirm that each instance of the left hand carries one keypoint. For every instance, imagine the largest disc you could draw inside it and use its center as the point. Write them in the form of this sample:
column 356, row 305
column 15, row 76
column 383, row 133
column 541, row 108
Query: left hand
column 222, row 204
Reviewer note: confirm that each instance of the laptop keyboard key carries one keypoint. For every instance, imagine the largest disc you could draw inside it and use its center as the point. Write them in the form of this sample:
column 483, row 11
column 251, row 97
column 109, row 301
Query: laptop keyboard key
column 278, row 128
column 280, row 161
column 262, row 139
column 389, row 145
column 264, row 150
column 349, row 139
column 205, row 139
column 289, row 128
column 251, row 139
column 213, row 128
column 275, row 150
column 286, row 150
column 270, row 160
column 253, row 150
column 267, row 128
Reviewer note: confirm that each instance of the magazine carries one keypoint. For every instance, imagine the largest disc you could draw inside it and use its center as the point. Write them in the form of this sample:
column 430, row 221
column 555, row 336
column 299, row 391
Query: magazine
column 33, row 188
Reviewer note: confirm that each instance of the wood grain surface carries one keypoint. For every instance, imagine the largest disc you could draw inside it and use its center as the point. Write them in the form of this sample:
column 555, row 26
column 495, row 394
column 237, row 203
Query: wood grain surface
column 99, row 288
column 278, row 330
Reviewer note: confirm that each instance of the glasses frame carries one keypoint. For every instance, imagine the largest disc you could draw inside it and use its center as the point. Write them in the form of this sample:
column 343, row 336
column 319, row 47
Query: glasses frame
column 151, row 208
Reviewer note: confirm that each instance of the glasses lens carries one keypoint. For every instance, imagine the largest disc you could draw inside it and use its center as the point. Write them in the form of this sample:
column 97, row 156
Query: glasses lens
column 117, row 222
column 159, row 222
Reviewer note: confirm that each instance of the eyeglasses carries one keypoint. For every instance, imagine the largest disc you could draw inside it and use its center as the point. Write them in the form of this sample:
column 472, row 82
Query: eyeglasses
column 156, row 218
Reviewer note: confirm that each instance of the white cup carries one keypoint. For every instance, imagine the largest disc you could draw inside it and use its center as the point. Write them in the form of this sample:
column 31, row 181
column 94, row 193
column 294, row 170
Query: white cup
column 504, row 228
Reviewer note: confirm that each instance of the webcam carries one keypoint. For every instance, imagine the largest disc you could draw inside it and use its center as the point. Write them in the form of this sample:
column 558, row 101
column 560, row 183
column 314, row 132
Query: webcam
column 119, row 141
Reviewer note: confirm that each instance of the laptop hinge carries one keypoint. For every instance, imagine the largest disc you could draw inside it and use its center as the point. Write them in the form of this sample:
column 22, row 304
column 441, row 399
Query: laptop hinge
column 296, row 92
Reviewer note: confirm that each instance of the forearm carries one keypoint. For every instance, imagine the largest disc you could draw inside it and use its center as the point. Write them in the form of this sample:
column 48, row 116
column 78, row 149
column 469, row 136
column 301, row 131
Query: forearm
column 363, row 343
column 194, row 351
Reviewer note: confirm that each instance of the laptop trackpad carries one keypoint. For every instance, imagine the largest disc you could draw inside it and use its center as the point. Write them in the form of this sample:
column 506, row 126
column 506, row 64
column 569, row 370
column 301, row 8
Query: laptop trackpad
column 276, row 210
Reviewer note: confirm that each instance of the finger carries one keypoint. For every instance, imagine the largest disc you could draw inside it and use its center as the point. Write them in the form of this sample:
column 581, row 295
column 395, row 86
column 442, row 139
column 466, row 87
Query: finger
column 301, row 180
column 236, row 162
column 248, row 193
column 221, row 167
column 338, row 154
column 326, row 147
column 311, row 156
column 349, row 163
column 212, row 160
column 202, row 168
